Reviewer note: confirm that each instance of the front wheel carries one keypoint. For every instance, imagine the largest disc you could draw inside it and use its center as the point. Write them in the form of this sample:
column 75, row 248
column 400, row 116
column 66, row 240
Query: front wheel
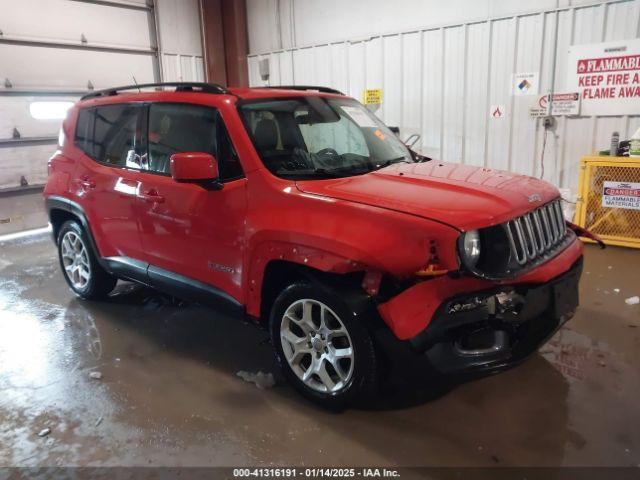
column 323, row 345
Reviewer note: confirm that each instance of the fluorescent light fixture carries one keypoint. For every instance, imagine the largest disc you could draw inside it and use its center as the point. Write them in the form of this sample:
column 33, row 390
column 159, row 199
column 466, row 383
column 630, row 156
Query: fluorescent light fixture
column 49, row 110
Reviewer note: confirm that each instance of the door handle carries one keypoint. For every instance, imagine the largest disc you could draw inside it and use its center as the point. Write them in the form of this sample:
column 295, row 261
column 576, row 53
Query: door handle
column 87, row 182
column 151, row 196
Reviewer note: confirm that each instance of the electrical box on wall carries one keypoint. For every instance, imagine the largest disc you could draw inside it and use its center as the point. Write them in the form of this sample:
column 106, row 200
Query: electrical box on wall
column 263, row 68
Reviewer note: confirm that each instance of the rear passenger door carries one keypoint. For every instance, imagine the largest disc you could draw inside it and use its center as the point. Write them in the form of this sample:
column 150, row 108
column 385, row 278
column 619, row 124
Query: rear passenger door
column 186, row 228
column 111, row 144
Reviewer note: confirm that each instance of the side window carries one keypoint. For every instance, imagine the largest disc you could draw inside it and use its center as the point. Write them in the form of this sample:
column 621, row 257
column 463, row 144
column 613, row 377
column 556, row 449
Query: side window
column 175, row 128
column 84, row 131
column 228, row 162
column 116, row 135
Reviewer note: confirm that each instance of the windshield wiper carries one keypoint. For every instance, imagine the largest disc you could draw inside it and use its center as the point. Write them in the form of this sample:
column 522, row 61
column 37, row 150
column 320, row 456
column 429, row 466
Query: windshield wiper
column 322, row 172
column 329, row 173
column 391, row 161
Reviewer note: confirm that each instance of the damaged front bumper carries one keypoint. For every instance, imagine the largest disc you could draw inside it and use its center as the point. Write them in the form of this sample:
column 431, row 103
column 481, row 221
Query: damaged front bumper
column 489, row 330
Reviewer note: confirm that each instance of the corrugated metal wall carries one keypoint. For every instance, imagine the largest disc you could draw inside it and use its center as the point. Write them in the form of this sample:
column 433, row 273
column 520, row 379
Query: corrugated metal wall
column 180, row 40
column 440, row 82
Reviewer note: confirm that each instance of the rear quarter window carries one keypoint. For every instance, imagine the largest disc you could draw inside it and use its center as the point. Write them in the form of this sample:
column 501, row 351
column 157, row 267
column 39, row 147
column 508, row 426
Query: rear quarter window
column 83, row 137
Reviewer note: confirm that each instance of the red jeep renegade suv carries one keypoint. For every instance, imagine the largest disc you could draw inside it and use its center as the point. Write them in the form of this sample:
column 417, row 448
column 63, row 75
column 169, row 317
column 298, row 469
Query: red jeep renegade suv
column 299, row 208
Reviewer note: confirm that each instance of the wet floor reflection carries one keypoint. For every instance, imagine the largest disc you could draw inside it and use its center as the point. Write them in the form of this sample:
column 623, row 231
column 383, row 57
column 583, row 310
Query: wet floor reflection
column 169, row 394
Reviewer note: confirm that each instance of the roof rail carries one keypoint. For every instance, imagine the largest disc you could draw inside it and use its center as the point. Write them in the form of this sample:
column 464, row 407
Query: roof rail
column 305, row 87
column 180, row 87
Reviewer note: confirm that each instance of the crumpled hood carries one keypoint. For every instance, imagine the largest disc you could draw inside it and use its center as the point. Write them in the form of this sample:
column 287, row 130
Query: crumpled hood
column 463, row 196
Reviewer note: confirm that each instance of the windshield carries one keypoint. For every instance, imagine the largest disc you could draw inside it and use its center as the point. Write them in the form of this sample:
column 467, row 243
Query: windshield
column 315, row 137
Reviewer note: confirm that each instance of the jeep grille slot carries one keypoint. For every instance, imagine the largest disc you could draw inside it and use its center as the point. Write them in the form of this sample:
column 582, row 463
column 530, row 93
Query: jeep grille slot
column 535, row 233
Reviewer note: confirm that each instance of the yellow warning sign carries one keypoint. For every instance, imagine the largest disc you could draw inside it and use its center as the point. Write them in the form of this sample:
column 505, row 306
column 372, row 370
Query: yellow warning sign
column 373, row 96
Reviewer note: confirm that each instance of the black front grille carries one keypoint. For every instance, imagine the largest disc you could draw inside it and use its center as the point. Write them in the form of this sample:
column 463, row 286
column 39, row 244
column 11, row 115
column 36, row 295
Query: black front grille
column 535, row 234
column 515, row 246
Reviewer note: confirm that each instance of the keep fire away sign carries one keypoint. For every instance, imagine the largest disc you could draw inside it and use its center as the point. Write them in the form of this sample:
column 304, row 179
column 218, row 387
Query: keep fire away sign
column 607, row 75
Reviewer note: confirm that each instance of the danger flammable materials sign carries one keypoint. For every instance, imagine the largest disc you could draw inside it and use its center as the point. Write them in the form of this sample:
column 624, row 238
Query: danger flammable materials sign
column 607, row 76
column 621, row 195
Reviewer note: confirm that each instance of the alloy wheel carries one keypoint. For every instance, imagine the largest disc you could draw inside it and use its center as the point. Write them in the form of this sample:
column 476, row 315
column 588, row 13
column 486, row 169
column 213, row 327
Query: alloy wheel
column 75, row 259
column 317, row 345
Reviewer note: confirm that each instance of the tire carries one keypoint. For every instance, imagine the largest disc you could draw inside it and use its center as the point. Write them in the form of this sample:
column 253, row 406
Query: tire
column 324, row 350
column 79, row 265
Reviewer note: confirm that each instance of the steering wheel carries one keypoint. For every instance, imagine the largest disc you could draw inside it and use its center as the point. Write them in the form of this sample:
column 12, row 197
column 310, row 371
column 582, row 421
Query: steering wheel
column 327, row 152
column 328, row 156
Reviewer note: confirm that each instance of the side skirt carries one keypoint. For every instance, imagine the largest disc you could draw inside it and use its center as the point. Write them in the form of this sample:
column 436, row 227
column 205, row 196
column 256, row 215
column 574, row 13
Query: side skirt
column 174, row 284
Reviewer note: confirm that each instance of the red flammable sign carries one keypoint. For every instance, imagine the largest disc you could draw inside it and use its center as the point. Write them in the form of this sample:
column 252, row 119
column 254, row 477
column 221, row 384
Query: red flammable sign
column 609, row 77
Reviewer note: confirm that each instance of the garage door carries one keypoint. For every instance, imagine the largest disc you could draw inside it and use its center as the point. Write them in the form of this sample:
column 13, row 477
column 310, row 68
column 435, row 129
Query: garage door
column 51, row 52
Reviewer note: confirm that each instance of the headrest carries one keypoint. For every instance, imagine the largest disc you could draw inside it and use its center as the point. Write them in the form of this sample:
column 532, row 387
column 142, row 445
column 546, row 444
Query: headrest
column 266, row 134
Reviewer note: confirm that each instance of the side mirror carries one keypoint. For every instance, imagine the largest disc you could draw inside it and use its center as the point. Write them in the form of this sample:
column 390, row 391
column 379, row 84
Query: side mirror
column 195, row 167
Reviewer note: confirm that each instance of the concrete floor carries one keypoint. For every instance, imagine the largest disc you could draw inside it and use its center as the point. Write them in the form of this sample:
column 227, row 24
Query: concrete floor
column 169, row 394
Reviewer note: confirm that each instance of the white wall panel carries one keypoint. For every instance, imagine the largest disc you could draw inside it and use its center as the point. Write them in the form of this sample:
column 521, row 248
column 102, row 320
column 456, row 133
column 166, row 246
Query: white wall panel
column 475, row 95
column 432, row 92
column 322, row 68
column 317, row 22
column 392, row 78
column 411, row 84
column 66, row 20
column 501, row 66
column 179, row 26
column 339, row 66
column 453, row 98
column 356, row 57
column 528, row 58
column 182, row 68
column 180, row 38
column 441, row 79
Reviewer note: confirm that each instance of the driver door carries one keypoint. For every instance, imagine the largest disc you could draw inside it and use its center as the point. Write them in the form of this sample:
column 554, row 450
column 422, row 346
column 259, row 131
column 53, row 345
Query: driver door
column 186, row 228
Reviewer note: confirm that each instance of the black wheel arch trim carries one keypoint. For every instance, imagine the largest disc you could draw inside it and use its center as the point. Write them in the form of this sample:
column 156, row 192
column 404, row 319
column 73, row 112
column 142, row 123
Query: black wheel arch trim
column 55, row 202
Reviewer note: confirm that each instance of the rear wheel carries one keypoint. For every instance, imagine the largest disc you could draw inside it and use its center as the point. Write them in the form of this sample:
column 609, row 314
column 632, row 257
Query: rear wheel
column 323, row 345
column 80, row 268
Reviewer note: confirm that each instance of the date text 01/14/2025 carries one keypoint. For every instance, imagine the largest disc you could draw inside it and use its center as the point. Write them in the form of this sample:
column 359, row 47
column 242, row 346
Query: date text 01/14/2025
column 315, row 472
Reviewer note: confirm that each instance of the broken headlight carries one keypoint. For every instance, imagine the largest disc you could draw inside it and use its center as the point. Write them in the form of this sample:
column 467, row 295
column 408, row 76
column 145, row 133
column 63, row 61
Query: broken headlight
column 470, row 248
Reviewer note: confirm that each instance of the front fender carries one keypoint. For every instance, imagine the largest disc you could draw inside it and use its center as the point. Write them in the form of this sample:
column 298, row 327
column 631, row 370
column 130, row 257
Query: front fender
column 265, row 252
